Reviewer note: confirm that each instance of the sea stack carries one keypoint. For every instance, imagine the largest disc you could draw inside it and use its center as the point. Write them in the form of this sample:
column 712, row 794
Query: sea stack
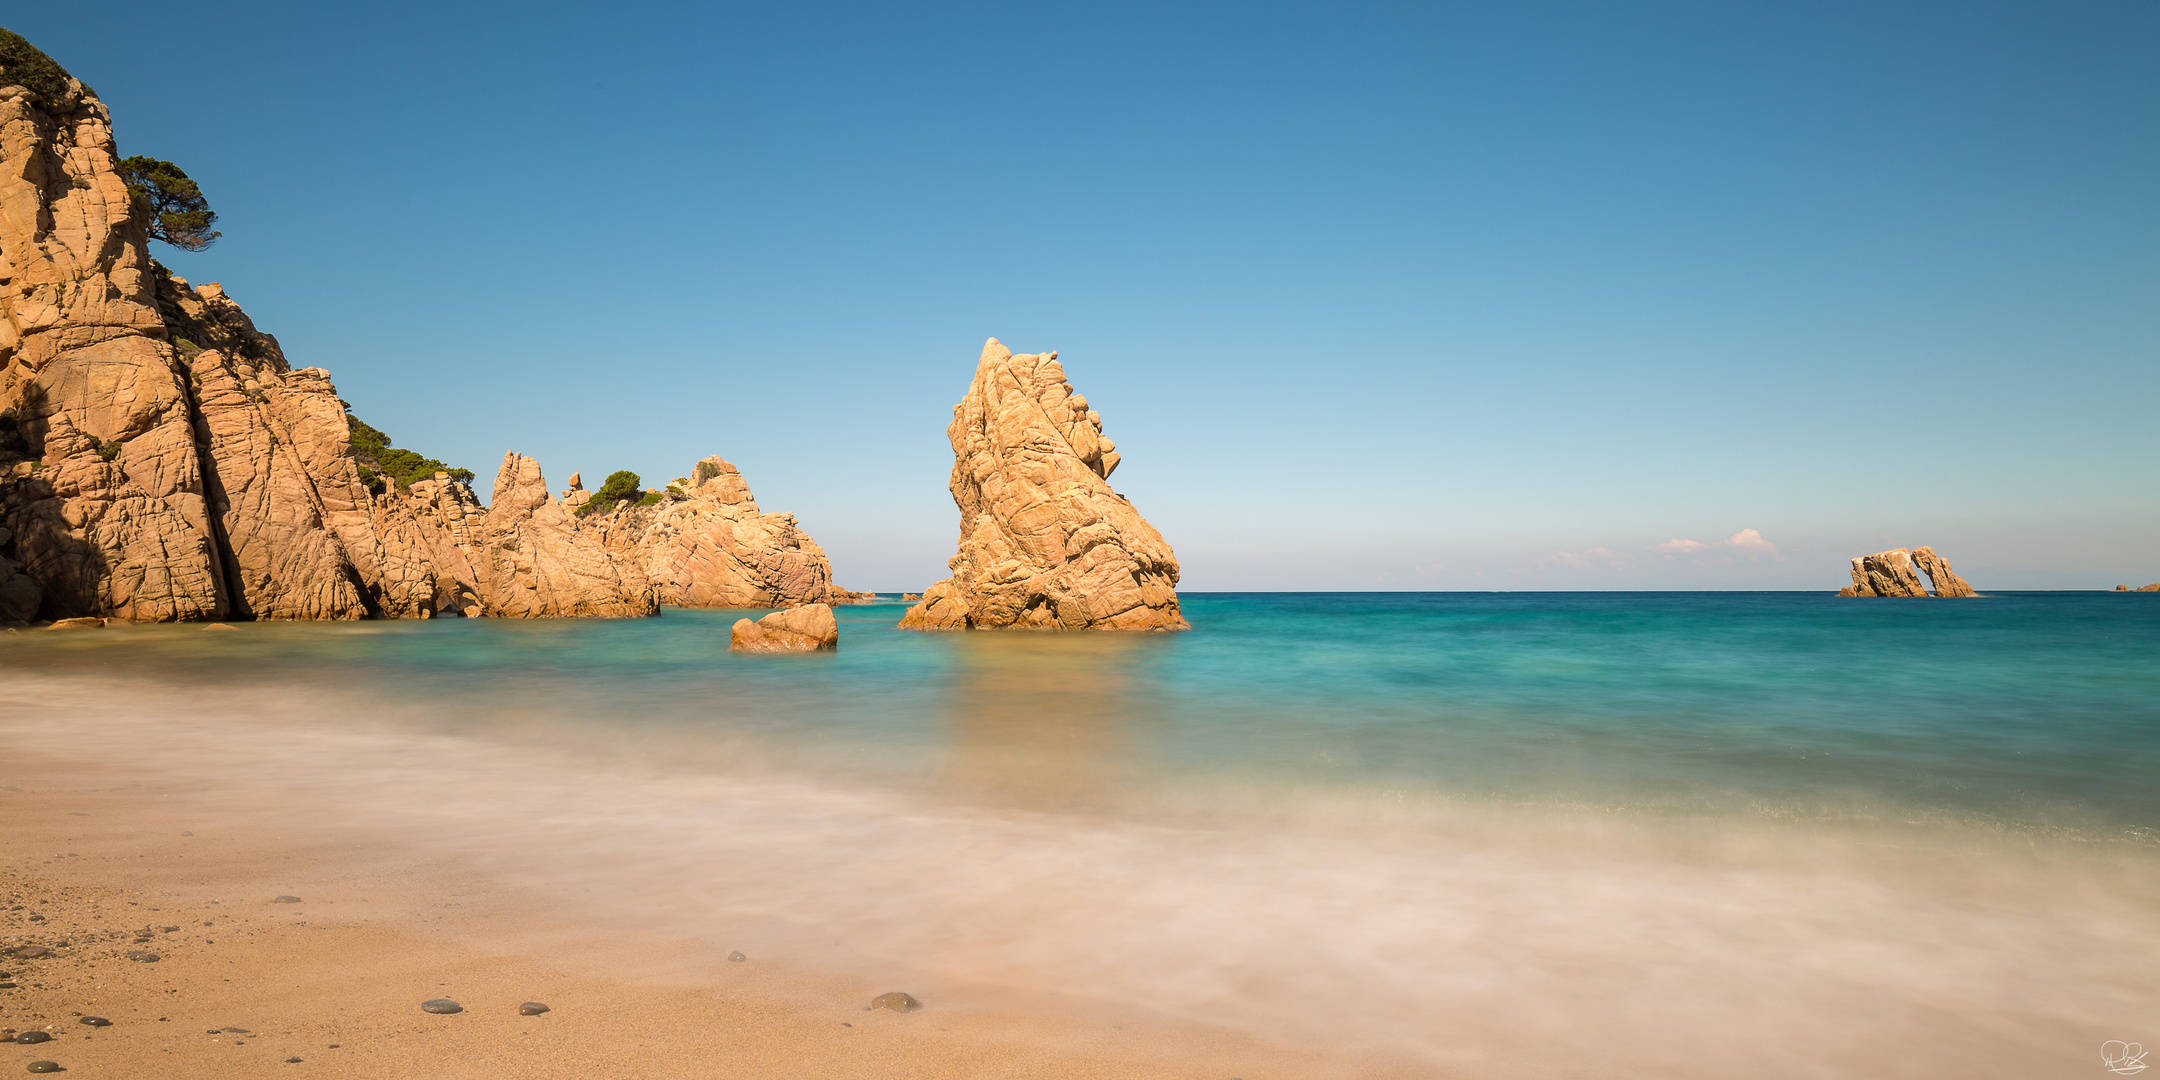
column 1044, row 541
column 1897, row 573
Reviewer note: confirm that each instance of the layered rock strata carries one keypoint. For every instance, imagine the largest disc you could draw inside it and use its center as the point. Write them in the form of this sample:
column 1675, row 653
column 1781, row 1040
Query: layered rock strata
column 1897, row 573
column 808, row 628
column 1044, row 541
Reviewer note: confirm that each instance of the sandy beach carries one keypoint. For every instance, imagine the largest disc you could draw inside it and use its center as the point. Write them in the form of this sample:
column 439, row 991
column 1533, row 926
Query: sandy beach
column 106, row 859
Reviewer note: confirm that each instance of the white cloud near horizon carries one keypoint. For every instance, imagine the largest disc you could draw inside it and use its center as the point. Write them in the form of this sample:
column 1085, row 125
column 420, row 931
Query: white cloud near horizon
column 1747, row 542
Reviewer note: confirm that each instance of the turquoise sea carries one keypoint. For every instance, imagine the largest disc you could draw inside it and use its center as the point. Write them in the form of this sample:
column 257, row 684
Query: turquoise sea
column 1499, row 834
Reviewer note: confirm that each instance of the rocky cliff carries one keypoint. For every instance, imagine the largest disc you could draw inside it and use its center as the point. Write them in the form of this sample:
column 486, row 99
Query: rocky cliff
column 705, row 543
column 1897, row 573
column 112, row 518
column 161, row 460
column 1044, row 541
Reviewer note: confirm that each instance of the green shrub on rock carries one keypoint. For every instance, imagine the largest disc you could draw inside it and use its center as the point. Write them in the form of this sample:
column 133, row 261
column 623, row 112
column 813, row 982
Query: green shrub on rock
column 380, row 462
column 621, row 487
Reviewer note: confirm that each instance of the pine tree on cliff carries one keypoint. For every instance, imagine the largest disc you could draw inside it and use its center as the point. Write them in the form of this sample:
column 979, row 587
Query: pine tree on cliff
column 177, row 213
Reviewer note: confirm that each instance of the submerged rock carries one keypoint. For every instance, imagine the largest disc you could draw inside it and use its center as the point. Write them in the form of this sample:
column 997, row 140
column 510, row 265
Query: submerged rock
column 1044, row 541
column 802, row 629
column 286, row 900
column 896, row 1001
column 737, row 957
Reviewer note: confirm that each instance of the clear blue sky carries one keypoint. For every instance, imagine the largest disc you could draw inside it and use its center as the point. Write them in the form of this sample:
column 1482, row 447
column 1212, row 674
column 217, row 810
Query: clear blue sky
column 1370, row 297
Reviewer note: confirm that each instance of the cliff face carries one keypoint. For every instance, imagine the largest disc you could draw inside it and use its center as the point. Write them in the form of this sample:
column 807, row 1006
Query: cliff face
column 161, row 460
column 1044, row 541
column 112, row 519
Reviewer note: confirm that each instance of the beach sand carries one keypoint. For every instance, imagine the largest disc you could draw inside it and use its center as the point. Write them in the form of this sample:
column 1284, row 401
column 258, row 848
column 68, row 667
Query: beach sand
column 118, row 859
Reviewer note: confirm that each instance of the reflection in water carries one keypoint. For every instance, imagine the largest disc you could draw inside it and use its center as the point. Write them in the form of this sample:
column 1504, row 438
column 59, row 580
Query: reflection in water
column 1040, row 721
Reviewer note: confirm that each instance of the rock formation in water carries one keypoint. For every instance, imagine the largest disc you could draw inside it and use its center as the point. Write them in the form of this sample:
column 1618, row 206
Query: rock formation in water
column 705, row 543
column 798, row 629
column 160, row 459
column 1044, row 542
column 1897, row 573
column 1937, row 569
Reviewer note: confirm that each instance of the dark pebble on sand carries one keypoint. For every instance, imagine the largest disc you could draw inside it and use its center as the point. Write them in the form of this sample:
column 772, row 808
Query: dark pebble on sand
column 28, row 1038
column 896, row 1001
column 292, row 1061
column 286, row 900
column 96, row 1021
column 44, row 1066
column 531, row 1008
column 142, row 957
column 737, row 957
column 30, row 952
column 441, row 1005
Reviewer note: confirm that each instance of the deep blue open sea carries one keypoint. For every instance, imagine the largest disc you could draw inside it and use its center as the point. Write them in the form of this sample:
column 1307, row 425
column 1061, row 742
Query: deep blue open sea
column 1651, row 833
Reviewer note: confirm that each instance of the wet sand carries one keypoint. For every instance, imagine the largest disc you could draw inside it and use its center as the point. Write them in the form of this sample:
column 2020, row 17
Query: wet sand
column 107, row 852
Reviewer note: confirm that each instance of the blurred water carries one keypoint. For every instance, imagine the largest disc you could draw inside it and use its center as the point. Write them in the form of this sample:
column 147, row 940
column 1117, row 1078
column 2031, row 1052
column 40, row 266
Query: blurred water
column 1545, row 834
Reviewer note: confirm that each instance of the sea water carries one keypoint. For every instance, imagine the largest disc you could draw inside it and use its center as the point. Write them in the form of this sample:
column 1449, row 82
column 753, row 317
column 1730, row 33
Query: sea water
column 1597, row 834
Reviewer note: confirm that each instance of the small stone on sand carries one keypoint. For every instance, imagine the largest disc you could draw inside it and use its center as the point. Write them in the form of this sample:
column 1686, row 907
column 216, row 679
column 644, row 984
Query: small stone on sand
column 441, row 1005
column 96, row 1021
column 142, row 957
column 737, row 957
column 286, row 900
column 292, row 1061
column 29, row 1038
column 531, row 1008
column 896, row 1001
column 44, row 1066
column 30, row 952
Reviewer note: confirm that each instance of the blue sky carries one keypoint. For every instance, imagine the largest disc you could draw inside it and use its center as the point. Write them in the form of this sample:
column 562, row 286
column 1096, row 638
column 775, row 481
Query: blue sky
column 1429, row 297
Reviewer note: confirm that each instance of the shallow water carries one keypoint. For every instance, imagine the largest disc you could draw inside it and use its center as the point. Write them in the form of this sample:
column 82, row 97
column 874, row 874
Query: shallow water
column 1509, row 834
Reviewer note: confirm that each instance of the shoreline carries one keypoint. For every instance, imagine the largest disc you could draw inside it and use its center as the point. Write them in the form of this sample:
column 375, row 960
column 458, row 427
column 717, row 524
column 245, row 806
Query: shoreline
column 336, row 980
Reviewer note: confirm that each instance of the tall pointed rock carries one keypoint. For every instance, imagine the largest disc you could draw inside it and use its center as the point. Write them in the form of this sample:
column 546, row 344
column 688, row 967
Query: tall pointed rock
column 1044, row 541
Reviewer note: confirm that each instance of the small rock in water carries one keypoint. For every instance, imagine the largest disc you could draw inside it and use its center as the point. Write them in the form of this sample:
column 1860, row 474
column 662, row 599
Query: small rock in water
column 30, row 1038
column 96, row 1021
column 44, row 1066
column 531, row 1008
column 896, row 1001
column 142, row 957
column 737, row 957
column 221, row 626
column 441, row 1005
column 286, row 900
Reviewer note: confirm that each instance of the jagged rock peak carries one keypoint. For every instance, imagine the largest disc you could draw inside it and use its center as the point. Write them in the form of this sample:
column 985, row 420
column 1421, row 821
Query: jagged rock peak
column 1044, row 541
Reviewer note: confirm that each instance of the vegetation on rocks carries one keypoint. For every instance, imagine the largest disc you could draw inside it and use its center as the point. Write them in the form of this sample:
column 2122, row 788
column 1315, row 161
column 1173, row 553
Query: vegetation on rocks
column 173, row 207
column 621, row 487
column 380, row 463
column 25, row 65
